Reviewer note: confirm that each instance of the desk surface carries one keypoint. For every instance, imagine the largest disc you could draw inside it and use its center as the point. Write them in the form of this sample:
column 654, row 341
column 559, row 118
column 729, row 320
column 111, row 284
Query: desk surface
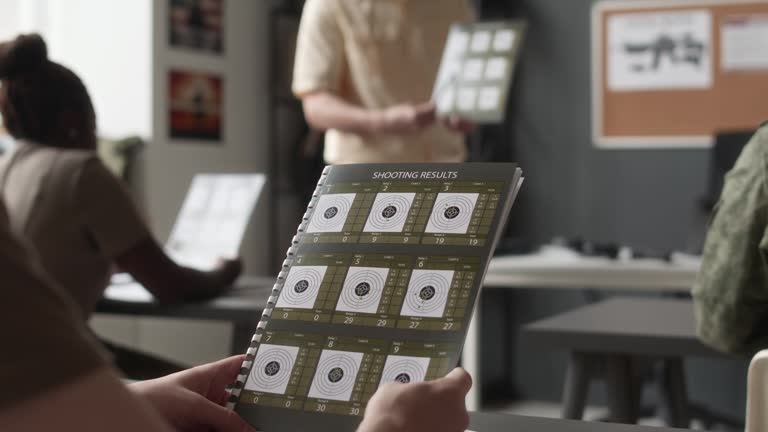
column 623, row 325
column 558, row 267
column 244, row 303
column 482, row 422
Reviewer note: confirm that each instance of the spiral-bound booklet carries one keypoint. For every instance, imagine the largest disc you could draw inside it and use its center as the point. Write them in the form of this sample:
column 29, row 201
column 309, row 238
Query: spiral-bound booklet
column 378, row 286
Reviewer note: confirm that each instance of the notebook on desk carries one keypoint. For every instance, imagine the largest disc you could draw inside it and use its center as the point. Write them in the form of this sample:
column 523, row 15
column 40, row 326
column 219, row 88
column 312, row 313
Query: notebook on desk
column 378, row 286
column 211, row 225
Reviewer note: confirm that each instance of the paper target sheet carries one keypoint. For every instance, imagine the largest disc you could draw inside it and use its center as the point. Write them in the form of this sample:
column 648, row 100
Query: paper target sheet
column 378, row 287
column 476, row 70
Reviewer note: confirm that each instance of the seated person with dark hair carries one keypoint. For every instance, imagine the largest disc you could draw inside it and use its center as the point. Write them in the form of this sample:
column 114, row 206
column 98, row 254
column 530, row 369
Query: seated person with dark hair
column 53, row 376
column 731, row 293
column 75, row 213
column 60, row 196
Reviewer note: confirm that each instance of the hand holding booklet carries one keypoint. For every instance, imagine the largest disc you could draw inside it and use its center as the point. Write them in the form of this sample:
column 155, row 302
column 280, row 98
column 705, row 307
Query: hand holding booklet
column 476, row 70
column 378, row 286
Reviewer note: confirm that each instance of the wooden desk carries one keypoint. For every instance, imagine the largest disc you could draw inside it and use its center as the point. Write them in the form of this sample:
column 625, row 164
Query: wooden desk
column 561, row 268
column 623, row 325
column 484, row 422
column 618, row 339
column 242, row 307
column 558, row 267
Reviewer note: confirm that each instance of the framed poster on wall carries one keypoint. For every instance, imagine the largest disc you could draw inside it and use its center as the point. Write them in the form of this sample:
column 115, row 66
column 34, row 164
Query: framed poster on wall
column 197, row 25
column 195, row 106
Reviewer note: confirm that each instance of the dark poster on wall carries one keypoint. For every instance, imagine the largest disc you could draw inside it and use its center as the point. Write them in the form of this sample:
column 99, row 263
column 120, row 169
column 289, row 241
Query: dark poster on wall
column 197, row 25
column 195, row 105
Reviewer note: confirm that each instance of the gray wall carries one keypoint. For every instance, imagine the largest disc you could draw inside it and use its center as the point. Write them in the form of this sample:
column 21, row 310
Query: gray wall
column 642, row 198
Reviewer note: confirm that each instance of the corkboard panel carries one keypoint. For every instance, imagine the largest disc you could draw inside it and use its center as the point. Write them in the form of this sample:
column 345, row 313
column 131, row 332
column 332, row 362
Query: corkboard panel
column 737, row 100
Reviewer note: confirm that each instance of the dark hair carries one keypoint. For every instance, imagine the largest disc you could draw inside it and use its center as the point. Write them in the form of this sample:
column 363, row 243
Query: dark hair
column 35, row 92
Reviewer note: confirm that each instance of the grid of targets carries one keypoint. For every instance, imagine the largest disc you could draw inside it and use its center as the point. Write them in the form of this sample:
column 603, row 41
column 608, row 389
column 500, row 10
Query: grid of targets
column 389, row 291
column 449, row 213
column 476, row 71
column 336, row 374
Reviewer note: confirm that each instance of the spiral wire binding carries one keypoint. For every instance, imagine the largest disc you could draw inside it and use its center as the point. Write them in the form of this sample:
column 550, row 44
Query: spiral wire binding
column 250, row 353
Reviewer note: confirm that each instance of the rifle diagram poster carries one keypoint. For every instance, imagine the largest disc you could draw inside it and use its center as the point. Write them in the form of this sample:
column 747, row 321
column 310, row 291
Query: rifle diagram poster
column 660, row 50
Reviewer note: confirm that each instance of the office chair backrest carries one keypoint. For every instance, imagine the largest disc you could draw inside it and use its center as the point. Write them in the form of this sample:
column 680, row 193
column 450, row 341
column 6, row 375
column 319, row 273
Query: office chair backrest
column 725, row 152
column 757, row 393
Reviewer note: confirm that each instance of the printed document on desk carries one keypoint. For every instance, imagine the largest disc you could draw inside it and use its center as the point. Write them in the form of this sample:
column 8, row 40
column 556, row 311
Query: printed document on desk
column 210, row 225
column 213, row 218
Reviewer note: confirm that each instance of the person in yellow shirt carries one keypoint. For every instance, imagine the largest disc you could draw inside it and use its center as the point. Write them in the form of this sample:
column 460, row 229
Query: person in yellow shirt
column 365, row 70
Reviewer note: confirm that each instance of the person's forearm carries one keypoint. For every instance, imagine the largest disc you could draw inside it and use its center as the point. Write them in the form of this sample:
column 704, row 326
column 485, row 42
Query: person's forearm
column 166, row 280
column 197, row 285
column 325, row 110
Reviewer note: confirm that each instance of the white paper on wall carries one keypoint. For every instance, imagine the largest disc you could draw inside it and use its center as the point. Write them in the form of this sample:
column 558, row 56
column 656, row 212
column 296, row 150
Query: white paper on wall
column 660, row 50
column 744, row 43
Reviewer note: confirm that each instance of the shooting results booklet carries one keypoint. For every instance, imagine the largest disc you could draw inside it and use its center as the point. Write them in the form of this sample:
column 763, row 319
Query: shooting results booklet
column 378, row 286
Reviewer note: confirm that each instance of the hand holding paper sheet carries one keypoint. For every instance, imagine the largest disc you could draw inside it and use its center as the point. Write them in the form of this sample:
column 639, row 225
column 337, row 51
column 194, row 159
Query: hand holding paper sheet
column 476, row 70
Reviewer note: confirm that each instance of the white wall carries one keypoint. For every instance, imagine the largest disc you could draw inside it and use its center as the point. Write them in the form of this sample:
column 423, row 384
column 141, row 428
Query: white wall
column 170, row 166
column 106, row 43
column 120, row 50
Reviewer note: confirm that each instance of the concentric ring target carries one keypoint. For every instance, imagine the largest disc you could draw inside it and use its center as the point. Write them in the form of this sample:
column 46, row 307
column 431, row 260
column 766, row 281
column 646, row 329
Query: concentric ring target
column 389, row 212
column 452, row 213
column 272, row 367
column 401, row 369
column 403, row 378
column 335, row 375
column 301, row 287
column 362, row 289
column 331, row 213
column 427, row 293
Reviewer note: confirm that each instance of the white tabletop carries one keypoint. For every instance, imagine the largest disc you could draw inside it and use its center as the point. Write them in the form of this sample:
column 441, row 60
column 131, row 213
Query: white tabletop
column 559, row 267
column 125, row 289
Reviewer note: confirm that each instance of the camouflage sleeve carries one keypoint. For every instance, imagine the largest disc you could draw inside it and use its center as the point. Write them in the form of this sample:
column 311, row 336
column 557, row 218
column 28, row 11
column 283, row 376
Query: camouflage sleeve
column 731, row 293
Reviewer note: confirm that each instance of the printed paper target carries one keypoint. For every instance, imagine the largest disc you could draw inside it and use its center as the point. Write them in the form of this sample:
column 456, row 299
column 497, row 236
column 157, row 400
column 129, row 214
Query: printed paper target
column 272, row 367
column 335, row 375
column 362, row 289
column 427, row 293
column 331, row 213
column 404, row 370
column 389, row 212
column 452, row 213
column 301, row 287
